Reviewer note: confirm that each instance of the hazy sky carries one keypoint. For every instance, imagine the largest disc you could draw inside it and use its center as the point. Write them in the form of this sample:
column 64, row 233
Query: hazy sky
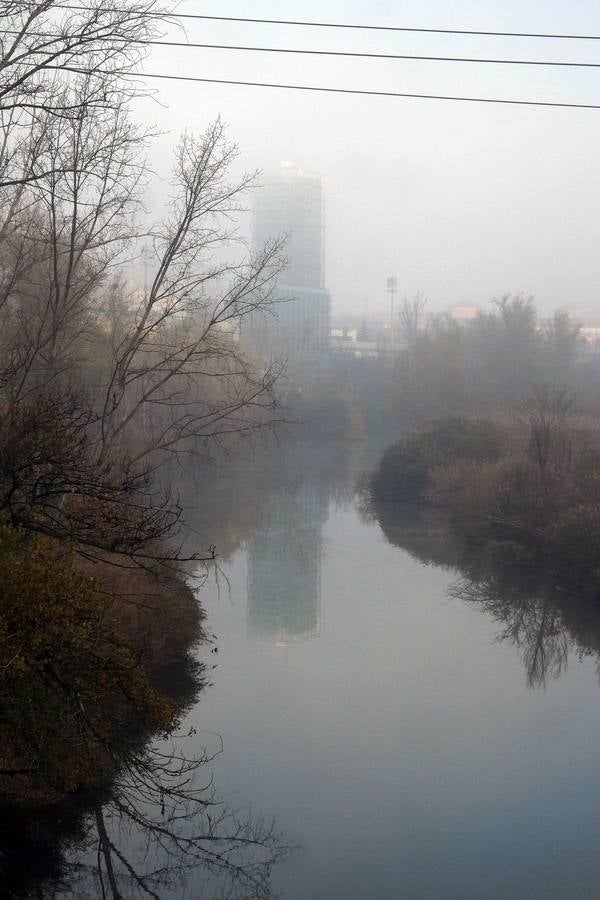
column 463, row 201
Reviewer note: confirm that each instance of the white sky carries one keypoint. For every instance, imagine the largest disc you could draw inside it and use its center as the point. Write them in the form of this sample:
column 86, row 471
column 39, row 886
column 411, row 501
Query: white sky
column 463, row 201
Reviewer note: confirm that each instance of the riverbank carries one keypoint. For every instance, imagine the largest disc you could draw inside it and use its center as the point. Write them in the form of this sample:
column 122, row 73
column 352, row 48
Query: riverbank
column 100, row 662
column 524, row 489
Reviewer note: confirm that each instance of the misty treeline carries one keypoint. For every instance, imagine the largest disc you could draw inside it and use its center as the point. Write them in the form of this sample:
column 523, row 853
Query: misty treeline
column 119, row 351
column 510, row 500
column 450, row 367
column 119, row 341
column 444, row 366
column 501, row 441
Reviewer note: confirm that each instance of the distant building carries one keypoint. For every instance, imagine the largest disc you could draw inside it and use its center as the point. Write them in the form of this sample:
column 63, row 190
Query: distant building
column 347, row 340
column 290, row 203
column 464, row 314
column 590, row 335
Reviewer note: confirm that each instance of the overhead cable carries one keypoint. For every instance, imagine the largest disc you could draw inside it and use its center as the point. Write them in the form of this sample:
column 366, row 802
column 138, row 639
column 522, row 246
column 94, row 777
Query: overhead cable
column 365, row 93
column 351, row 25
column 369, row 55
column 346, row 53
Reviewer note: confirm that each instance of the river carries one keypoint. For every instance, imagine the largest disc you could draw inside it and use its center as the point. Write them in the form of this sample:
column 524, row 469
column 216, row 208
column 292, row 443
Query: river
column 382, row 723
column 406, row 742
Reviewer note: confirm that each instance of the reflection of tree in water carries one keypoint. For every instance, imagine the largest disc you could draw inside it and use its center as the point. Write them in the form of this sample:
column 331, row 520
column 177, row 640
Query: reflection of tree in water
column 529, row 622
column 153, row 826
column 160, row 831
column 545, row 621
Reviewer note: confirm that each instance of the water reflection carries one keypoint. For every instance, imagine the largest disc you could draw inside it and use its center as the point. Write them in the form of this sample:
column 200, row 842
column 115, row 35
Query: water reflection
column 429, row 771
column 530, row 621
column 543, row 620
column 284, row 566
column 153, row 825
column 159, row 830
column 157, row 827
column 452, row 737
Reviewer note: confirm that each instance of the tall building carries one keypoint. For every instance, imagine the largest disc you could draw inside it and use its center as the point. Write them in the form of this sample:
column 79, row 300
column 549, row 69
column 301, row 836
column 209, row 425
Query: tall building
column 290, row 203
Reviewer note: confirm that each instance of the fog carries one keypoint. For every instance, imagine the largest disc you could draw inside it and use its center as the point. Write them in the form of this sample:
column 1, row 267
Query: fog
column 464, row 201
column 299, row 573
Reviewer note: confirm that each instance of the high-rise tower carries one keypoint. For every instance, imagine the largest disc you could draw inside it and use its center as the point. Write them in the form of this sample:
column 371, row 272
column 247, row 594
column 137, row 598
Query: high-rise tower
column 290, row 203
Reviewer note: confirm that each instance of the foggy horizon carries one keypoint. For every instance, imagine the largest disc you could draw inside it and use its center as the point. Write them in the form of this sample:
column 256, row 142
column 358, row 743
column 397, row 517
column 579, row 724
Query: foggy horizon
column 299, row 450
column 464, row 201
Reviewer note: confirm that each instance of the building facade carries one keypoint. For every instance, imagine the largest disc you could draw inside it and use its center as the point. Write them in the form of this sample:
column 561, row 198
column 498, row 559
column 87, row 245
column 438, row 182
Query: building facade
column 290, row 204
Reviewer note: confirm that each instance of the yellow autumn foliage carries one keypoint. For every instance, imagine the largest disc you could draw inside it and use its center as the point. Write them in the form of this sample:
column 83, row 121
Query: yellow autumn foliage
column 74, row 694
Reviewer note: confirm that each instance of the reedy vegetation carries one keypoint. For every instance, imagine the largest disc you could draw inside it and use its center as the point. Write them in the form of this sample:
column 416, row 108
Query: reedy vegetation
column 522, row 488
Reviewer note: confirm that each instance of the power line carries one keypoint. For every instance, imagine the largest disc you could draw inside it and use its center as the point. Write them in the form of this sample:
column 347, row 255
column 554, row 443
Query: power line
column 349, row 25
column 342, row 53
column 365, row 93
column 368, row 55
column 463, row 31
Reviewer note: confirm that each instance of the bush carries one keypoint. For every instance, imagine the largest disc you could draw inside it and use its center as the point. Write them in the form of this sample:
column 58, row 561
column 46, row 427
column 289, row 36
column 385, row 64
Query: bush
column 404, row 473
column 76, row 689
column 526, row 496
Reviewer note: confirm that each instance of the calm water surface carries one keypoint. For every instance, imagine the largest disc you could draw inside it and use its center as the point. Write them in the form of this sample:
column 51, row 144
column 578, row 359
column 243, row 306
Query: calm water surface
column 384, row 726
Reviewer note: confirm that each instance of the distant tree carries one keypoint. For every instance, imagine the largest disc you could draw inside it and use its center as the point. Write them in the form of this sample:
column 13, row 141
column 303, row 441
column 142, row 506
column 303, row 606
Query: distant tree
column 411, row 317
column 546, row 414
column 505, row 347
column 562, row 338
column 430, row 374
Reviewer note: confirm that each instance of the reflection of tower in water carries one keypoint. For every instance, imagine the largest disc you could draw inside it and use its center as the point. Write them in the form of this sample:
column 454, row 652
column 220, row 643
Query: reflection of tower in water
column 284, row 567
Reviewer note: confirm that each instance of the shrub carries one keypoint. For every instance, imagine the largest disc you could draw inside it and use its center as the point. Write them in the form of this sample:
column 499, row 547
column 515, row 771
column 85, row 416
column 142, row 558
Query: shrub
column 74, row 692
column 405, row 469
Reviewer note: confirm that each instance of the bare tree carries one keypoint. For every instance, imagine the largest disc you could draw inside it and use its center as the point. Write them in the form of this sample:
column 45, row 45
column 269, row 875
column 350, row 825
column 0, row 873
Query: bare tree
column 545, row 412
column 78, row 228
column 179, row 354
column 43, row 47
column 411, row 317
column 156, row 370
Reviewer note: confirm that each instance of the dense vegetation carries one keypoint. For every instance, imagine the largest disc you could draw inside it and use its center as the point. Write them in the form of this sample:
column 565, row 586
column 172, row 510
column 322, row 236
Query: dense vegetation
column 83, row 663
column 446, row 368
column 404, row 473
column 524, row 487
column 118, row 355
